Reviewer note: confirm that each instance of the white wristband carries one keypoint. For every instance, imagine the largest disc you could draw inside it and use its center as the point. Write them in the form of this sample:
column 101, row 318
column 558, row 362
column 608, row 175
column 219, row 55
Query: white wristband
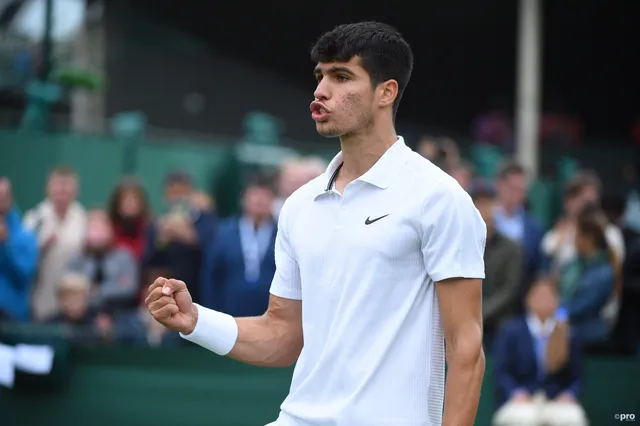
column 215, row 331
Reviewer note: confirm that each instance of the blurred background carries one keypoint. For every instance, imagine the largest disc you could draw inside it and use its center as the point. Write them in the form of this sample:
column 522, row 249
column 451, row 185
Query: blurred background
column 146, row 138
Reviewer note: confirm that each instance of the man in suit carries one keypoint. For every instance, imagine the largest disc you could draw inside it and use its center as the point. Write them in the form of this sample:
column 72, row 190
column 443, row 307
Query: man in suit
column 503, row 267
column 513, row 221
column 240, row 264
column 537, row 366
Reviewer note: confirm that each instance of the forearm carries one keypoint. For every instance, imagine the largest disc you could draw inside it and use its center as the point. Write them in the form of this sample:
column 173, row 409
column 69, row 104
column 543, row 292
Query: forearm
column 464, row 380
column 266, row 341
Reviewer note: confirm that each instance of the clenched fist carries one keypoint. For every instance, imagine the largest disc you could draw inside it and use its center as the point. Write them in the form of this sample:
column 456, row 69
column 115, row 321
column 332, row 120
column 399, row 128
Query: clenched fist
column 170, row 304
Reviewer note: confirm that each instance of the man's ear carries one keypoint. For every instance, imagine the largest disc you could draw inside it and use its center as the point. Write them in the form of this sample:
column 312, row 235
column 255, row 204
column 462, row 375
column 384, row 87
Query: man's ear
column 388, row 93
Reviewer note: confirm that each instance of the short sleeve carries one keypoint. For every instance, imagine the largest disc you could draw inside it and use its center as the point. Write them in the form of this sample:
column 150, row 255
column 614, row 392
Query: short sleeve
column 286, row 280
column 453, row 234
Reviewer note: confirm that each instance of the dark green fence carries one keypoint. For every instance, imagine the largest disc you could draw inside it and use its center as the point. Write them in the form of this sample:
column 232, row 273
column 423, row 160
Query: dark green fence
column 191, row 387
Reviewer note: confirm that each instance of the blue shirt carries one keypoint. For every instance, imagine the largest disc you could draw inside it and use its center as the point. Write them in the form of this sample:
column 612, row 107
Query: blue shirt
column 510, row 226
column 255, row 242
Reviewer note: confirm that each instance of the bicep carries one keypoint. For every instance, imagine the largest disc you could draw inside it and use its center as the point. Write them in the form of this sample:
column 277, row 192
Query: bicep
column 460, row 303
column 286, row 316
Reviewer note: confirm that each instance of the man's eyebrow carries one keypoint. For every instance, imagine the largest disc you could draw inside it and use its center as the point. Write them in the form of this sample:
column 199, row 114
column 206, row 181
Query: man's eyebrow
column 333, row 70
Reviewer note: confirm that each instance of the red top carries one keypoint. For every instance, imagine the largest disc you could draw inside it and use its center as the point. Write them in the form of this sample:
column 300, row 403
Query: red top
column 134, row 241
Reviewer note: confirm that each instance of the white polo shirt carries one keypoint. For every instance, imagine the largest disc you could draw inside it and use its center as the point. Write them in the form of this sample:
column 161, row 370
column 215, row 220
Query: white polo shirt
column 364, row 264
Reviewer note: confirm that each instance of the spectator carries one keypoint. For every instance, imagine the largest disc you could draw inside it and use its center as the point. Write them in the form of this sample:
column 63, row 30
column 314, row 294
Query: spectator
column 60, row 224
column 241, row 264
column 112, row 271
column 503, row 268
column 463, row 173
column 558, row 245
column 587, row 282
column 176, row 242
column 129, row 213
column 537, row 366
column 18, row 259
column 292, row 175
column 81, row 322
column 513, row 221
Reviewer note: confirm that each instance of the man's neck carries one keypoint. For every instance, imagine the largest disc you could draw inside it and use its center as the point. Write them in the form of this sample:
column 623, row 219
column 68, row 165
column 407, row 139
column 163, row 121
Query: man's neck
column 360, row 151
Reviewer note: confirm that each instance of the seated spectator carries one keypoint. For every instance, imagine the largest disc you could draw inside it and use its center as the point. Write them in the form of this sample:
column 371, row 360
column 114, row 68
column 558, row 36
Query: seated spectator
column 82, row 322
column 60, row 224
column 292, row 175
column 129, row 214
column 503, row 268
column 176, row 242
column 138, row 328
column 537, row 366
column 18, row 259
column 112, row 271
column 586, row 283
column 240, row 265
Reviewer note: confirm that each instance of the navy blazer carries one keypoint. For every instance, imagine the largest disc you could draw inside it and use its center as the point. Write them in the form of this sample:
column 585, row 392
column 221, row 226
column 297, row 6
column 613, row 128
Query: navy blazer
column 515, row 365
column 225, row 288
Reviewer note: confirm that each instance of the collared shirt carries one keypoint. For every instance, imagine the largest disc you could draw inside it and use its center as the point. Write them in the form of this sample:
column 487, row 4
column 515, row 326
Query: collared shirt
column 511, row 226
column 364, row 264
column 541, row 332
column 255, row 243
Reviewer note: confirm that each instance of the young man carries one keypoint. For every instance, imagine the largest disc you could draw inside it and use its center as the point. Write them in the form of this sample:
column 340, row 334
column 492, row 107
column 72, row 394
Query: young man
column 378, row 262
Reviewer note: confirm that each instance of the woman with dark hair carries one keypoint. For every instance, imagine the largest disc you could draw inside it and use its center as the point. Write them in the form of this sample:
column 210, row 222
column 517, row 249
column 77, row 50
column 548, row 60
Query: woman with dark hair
column 587, row 283
column 129, row 212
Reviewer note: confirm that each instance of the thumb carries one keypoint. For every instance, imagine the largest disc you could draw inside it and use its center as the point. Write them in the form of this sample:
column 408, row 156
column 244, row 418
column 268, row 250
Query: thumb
column 180, row 294
column 173, row 286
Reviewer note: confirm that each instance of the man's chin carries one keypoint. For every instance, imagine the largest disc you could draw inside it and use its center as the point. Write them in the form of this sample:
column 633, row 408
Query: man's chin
column 327, row 132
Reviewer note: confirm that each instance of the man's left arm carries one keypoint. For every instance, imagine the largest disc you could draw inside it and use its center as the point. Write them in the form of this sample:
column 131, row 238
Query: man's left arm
column 454, row 237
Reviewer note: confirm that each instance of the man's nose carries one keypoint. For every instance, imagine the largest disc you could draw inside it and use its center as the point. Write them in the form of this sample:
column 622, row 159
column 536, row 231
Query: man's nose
column 322, row 91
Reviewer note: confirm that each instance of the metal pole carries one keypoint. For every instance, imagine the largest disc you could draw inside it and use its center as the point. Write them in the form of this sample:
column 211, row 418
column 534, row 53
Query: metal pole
column 528, row 80
column 47, row 43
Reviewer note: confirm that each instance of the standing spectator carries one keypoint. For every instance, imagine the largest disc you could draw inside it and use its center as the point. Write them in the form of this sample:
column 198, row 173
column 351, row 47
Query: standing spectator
column 558, row 246
column 513, row 221
column 177, row 241
column 463, row 173
column 503, row 268
column 112, row 271
column 129, row 214
column 18, row 259
column 537, row 366
column 240, row 265
column 586, row 283
column 60, row 224
column 292, row 175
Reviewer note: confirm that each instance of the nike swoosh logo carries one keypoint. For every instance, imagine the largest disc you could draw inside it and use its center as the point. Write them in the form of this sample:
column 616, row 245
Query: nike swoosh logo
column 369, row 221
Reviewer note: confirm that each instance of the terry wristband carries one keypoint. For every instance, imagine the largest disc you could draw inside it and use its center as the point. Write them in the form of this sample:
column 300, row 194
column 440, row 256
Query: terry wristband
column 215, row 331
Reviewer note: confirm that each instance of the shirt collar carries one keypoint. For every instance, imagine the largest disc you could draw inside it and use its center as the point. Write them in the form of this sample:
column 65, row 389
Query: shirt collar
column 381, row 174
column 538, row 328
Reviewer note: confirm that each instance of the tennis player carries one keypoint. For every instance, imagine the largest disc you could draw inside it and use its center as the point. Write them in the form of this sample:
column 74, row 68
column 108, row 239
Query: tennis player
column 379, row 262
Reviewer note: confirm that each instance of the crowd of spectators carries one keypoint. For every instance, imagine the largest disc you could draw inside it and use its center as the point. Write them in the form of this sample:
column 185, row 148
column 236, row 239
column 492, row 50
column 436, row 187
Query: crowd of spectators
column 550, row 295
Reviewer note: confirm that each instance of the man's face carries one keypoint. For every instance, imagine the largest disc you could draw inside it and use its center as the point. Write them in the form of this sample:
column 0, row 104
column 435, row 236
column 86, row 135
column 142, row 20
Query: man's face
column 62, row 190
column 258, row 202
column 542, row 300
column 177, row 192
column 344, row 98
column 5, row 196
column 512, row 189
